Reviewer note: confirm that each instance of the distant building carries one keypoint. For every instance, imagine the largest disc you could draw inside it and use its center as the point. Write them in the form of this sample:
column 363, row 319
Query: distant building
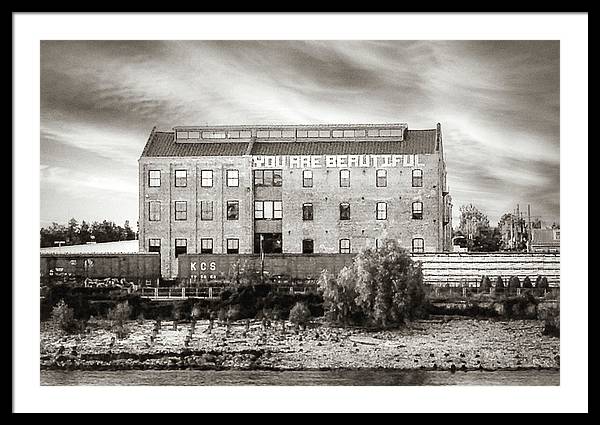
column 308, row 189
column 545, row 240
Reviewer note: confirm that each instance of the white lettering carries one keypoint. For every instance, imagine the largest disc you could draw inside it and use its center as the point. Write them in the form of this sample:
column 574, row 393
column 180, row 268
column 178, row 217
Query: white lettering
column 337, row 161
column 193, row 266
column 294, row 162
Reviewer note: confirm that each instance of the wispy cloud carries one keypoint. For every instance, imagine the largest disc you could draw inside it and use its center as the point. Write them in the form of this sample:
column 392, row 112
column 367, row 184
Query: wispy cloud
column 498, row 103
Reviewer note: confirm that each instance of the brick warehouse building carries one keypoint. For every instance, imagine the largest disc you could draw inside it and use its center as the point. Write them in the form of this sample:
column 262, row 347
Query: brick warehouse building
column 298, row 189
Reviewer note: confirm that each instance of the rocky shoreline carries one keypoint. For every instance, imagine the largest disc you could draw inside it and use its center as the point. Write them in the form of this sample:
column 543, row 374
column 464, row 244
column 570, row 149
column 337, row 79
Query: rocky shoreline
column 455, row 344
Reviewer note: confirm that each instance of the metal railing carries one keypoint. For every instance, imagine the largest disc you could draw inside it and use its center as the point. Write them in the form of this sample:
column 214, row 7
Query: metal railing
column 207, row 292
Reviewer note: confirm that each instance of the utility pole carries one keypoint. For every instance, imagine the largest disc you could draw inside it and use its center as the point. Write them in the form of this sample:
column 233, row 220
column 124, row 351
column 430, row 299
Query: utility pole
column 529, row 228
column 519, row 230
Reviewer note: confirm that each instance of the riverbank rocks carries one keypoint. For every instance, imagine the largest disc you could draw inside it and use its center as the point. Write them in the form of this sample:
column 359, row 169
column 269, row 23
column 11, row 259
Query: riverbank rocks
column 468, row 344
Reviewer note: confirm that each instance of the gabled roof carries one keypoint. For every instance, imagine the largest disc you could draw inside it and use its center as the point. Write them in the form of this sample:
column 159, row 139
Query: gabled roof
column 163, row 144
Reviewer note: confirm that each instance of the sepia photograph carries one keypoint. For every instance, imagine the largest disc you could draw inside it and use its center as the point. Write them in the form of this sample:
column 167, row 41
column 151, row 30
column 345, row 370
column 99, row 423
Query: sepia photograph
column 299, row 213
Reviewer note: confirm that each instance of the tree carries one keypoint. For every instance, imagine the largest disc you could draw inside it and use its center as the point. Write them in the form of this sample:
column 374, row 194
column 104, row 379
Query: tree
column 84, row 232
column 384, row 287
column 472, row 222
column 488, row 240
column 73, row 232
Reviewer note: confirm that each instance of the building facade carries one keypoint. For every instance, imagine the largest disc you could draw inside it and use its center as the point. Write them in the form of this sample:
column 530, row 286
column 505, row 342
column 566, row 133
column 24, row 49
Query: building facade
column 545, row 240
column 292, row 189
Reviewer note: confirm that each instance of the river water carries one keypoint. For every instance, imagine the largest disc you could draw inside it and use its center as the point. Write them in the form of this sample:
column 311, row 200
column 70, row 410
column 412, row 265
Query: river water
column 366, row 377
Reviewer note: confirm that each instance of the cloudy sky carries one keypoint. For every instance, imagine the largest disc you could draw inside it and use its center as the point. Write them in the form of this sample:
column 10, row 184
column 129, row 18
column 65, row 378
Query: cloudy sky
column 498, row 103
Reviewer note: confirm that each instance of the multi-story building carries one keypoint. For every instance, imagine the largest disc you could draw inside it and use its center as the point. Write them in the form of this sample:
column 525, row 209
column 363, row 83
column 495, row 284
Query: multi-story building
column 292, row 189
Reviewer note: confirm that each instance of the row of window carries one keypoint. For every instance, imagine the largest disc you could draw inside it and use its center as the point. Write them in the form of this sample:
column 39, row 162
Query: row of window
column 233, row 246
column 272, row 178
column 278, row 134
column 270, row 210
column 206, row 210
column 206, row 178
column 380, row 178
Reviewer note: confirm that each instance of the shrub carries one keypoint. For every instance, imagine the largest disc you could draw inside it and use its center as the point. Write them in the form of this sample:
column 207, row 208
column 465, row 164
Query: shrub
column 514, row 282
column 233, row 312
column 118, row 316
column 541, row 282
column 300, row 314
column 485, row 284
column 63, row 317
column 222, row 315
column 527, row 283
column 196, row 311
column 499, row 287
column 551, row 318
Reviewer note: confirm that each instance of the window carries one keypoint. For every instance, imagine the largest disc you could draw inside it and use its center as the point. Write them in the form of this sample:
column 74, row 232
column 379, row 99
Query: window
column 154, row 178
column 381, row 211
column 268, row 210
column 418, row 245
column 213, row 134
column 180, row 247
column 417, row 178
column 154, row 245
column 344, row 178
column 180, row 210
column 417, row 210
column 154, row 213
column 277, row 178
column 206, row 178
column 307, row 178
column 344, row 246
column 258, row 210
column 233, row 178
column 277, row 210
column 206, row 210
column 233, row 246
column 381, row 178
column 344, row 211
column 307, row 211
column 267, row 178
column 206, row 246
column 308, row 246
column 259, row 178
column 180, row 178
column 233, row 210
